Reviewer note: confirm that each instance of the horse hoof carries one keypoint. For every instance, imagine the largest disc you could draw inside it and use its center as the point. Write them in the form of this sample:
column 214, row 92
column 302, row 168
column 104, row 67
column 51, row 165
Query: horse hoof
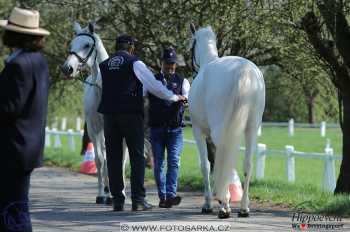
column 223, row 215
column 243, row 214
column 207, row 210
column 109, row 201
column 101, row 200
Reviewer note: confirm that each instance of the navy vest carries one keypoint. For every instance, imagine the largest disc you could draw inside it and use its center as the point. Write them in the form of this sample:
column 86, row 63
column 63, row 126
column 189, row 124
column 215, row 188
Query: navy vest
column 163, row 112
column 121, row 89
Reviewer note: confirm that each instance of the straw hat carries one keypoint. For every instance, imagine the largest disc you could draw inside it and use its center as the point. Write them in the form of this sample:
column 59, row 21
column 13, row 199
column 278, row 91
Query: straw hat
column 24, row 21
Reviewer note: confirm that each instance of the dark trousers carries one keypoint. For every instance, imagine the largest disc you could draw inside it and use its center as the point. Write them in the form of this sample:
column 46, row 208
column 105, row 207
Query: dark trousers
column 14, row 202
column 129, row 127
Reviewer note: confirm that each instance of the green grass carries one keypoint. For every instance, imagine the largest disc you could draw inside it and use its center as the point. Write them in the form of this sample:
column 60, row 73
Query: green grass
column 306, row 193
column 308, row 171
column 63, row 157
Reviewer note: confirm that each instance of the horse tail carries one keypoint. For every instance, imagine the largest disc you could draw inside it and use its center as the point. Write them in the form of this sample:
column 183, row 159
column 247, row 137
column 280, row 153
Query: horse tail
column 235, row 122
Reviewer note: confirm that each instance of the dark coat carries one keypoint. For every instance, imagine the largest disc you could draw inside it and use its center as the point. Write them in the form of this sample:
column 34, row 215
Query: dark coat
column 164, row 113
column 121, row 90
column 24, row 86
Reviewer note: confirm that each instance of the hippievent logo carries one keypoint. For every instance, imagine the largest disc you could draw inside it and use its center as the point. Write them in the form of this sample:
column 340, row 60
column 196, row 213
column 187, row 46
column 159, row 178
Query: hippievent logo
column 312, row 222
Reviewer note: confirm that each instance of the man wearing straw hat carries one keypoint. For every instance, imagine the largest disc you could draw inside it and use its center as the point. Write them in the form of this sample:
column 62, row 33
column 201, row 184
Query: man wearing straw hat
column 24, row 83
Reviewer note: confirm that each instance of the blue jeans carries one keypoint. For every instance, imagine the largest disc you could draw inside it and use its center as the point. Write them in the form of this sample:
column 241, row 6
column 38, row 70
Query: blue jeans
column 171, row 139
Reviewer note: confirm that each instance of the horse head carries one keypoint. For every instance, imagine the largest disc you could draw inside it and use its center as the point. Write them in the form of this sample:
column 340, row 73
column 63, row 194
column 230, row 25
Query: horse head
column 203, row 46
column 195, row 65
column 82, row 50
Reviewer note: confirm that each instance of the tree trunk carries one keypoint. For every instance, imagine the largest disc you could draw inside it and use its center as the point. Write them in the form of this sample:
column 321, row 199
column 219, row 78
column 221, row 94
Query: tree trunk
column 339, row 64
column 343, row 183
column 311, row 110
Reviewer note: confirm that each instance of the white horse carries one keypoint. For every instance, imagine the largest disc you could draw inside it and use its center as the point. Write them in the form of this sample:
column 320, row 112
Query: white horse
column 87, row 49
column 226, row 100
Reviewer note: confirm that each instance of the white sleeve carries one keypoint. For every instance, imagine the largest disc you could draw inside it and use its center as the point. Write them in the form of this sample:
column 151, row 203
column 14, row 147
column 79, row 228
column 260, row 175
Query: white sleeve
column 151, row 84
column 185, row 88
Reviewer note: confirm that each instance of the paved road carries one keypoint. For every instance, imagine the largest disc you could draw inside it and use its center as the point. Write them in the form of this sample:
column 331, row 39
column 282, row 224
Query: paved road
column 64, row 201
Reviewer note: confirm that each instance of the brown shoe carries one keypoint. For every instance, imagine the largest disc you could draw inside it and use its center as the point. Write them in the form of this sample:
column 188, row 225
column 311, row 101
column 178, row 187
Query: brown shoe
column 163, row 203
column 141, row 206
column 171, row 201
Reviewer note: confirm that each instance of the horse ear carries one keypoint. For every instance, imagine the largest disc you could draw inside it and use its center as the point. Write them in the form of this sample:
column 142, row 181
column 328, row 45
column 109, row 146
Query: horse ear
column 76, row 27
column 91, row 28
column 192, row 28
column 96, row 23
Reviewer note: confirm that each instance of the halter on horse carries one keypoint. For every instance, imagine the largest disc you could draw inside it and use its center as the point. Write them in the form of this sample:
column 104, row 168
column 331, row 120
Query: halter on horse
column 83, row 46
column 226, row 101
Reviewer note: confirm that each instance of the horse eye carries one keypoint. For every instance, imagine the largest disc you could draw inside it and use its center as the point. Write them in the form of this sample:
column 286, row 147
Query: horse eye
column 87, row 46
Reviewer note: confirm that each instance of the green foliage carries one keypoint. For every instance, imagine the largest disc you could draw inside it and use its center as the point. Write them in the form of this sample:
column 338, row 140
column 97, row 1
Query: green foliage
column 263, row 31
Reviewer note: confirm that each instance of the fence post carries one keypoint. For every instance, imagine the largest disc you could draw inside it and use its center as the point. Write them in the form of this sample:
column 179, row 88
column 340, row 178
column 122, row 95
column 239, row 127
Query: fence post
column 54, row 123
column 323, row 129
column 290, row 163
column 57, row 143
column 329, row 171
column 260, row 161
column 291, row 127
column 64, row 124
column 71, row 141
column 328, row 143
column 259, row 131
column 78, row 124
column 47, row 137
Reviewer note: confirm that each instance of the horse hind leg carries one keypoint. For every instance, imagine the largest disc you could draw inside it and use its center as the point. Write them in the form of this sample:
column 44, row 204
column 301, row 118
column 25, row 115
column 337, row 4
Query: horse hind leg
column 224, row 164
column 148, row 153
column 205, row 168
column 250, row 141
column 211, row 153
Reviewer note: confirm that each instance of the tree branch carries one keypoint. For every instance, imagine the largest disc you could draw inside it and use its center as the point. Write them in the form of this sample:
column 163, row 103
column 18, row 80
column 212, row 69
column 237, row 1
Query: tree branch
column 312, row 27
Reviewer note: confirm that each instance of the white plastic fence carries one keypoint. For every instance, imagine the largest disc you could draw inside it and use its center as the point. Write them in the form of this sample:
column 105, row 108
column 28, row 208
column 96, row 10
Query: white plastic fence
column 56, row 136
column 63, row 122
column 291, row 125
column 329, row 179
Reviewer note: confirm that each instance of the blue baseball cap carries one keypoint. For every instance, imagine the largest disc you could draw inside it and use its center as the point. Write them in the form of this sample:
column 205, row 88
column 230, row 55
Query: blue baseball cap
column 125, row 39
column 169, row 55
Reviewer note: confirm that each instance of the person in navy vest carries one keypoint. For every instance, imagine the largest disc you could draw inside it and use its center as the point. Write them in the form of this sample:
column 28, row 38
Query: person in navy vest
column 24, row 84
column 125, row 79
column 165, row 121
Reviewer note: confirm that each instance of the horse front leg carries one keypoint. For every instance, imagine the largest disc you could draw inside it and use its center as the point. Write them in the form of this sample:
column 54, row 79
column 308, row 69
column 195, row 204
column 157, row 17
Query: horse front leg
column 205, row 168
column 125, row 161
column 104, row 172
column 100, row 199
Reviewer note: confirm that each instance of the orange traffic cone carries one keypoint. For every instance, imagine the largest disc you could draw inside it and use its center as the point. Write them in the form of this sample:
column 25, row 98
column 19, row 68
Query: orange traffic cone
column 235, row 188
column 88, row 166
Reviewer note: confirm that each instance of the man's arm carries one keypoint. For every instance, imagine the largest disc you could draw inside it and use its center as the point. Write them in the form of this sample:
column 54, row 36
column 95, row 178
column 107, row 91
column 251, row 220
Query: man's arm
column 151, row 84
column 185, row 88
